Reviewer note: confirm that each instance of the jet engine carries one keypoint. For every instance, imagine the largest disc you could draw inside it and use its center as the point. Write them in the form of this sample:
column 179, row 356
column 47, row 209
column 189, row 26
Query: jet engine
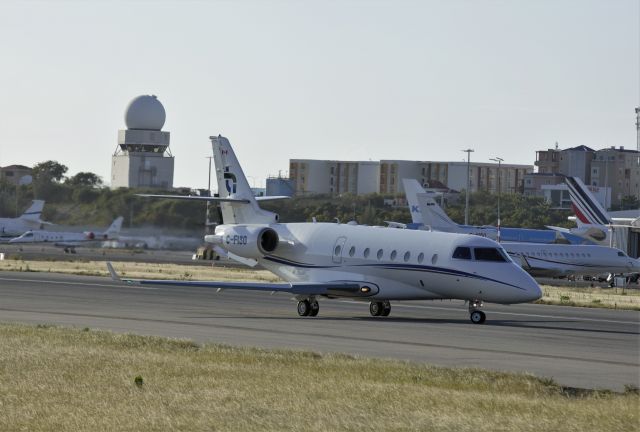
column 249, row 241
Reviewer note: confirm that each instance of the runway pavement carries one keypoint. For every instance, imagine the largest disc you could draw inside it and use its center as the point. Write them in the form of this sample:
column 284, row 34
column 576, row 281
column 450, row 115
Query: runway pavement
column 594, row 348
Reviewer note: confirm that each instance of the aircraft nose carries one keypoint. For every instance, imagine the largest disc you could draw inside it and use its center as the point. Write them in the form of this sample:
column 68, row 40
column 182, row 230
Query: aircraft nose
column 531, row 289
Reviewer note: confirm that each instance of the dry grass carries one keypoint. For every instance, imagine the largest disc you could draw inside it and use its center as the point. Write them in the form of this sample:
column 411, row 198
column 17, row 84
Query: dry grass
column 74, row 380
column 611, row 298
column 141, row 270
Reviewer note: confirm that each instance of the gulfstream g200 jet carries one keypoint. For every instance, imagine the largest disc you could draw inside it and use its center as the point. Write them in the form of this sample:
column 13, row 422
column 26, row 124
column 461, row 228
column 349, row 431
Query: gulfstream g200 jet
column 332, row 260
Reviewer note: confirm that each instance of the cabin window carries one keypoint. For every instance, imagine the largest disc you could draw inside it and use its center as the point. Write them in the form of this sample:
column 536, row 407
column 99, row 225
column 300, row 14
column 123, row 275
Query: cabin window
column 393, row 255
column 352, row 251
column 434, row 259
column 462, row 253
column 337, row 250
column 489, row 254
column 380, row 252
column 366, row 253
column 407, row 256
column 420, row 257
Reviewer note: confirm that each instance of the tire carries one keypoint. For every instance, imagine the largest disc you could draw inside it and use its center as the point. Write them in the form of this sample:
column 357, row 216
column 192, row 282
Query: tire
column 477, row 317
column 304, row 308
column 315, row 308
column 386, row 309
column 375, row 308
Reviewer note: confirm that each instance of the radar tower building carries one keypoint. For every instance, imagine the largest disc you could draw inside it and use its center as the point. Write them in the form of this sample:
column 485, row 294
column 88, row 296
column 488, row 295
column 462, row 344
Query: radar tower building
column 142, row 158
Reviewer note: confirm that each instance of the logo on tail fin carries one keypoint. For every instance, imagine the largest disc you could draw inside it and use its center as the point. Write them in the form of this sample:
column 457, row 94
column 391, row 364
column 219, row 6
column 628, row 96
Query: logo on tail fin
column 230, row 181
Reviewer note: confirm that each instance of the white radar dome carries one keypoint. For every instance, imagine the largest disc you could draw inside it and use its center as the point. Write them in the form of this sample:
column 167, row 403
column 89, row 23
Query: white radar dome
column 145, row 112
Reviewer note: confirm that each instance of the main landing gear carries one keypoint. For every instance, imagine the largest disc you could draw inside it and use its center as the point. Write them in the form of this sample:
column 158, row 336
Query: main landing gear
column 380, row 308
column 308, row 307
column 476, row 315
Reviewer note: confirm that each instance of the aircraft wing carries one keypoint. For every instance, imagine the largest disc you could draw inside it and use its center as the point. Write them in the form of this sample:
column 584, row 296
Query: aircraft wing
column 195, row 198
column 331, row 289
column 271, row 197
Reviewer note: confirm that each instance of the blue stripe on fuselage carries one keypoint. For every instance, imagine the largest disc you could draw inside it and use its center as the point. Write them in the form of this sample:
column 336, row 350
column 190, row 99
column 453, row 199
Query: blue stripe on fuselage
column 390, row 266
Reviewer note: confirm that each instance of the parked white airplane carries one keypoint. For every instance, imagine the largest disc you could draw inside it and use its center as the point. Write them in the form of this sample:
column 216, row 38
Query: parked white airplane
column 330, row 260
column 538, row 259
column 29, row 220
column 70, row 240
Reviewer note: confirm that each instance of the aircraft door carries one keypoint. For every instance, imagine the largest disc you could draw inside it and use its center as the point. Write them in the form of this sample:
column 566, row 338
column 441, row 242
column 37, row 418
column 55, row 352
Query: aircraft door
column 337, row 250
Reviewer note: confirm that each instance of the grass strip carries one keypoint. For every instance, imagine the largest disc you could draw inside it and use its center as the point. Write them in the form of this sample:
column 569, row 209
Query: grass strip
column 64, row 379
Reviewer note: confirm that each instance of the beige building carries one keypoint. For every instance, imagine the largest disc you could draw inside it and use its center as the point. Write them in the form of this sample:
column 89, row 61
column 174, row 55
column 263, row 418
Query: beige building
column 312, row 176
column 618, row 169
column 482, row 175
column 615, row 169
column 13, row 173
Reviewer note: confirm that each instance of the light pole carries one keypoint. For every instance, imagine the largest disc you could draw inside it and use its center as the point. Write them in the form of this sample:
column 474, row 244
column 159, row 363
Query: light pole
column 499, row 160
column 466, row 203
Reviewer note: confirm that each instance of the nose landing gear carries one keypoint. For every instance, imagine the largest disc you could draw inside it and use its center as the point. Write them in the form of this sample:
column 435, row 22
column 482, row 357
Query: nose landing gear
column 475, row 314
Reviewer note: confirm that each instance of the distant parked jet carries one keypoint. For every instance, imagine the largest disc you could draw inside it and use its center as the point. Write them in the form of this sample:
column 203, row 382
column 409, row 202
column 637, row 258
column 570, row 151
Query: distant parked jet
column 29, row 220
column 70, row 240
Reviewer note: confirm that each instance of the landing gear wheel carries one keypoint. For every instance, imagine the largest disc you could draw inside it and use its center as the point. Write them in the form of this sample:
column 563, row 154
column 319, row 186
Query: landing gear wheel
column 477, row 317
column 376, row 308
column 315, row 308
column 386, row 308
column 304, row 308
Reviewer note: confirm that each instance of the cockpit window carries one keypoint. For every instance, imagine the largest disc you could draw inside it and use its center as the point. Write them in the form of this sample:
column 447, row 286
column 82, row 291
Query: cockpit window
column 621, row 254
column 462, row 253
column 489, row 254
column 29, row 234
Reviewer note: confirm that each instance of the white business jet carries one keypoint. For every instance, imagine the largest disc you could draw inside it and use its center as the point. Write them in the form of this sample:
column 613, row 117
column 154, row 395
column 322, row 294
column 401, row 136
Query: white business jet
column 70, row 240
column 29, row 220
column 332, row 260
column 538, row 259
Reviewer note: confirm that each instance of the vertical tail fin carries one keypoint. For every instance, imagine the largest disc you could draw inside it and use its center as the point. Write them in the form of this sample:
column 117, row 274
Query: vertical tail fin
column 34, row 212
column 232, row 183
column 424, row 209
column 433, row 214
column 412, row 189
column 586, row 207
column 114, row 229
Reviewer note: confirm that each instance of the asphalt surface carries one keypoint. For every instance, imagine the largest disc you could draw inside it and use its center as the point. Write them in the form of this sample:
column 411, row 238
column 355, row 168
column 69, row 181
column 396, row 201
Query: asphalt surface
column 590, row 348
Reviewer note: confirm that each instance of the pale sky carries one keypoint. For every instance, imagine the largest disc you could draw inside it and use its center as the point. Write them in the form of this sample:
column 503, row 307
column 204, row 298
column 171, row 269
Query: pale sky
column 350, row 80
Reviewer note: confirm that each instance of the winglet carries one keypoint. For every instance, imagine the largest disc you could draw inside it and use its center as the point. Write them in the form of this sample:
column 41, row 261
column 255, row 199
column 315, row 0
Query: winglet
column 112, row 272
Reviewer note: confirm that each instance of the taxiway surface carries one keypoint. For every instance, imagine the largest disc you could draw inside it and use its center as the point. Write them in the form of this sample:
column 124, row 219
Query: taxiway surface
column 592, row 348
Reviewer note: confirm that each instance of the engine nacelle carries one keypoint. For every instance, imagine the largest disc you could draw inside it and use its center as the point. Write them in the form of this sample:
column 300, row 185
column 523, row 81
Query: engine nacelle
column 249, row 241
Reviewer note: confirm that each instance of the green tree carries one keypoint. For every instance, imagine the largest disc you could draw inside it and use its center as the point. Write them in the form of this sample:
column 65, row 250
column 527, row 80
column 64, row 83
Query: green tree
column 49, row 171
column 84, row 179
